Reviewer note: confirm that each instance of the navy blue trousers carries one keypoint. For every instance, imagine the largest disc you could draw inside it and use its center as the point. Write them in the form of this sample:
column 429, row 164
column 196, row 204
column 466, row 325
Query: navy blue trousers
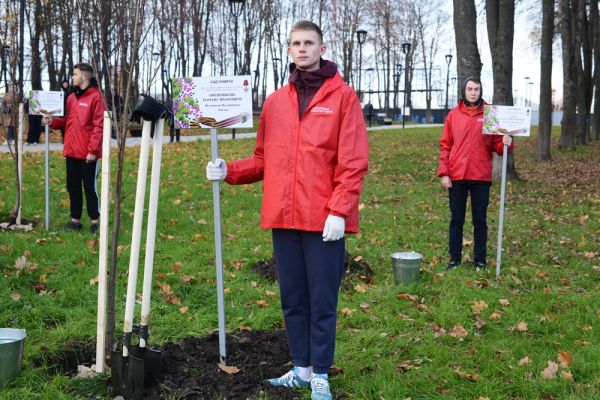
column 480, row 197
column 81, row 173
column 310, row 272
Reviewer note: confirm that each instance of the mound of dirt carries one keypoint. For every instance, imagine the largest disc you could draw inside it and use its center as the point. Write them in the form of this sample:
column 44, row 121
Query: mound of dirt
column 191, row 371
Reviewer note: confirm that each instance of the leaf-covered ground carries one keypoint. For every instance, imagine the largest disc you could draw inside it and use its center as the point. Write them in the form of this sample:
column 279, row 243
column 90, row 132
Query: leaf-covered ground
column 533, row 334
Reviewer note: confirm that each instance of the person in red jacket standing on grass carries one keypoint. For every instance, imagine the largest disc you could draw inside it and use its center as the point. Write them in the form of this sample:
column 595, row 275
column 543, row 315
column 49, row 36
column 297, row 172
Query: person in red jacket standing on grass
column 311, row 153
column 465, row 167
column 83, row 123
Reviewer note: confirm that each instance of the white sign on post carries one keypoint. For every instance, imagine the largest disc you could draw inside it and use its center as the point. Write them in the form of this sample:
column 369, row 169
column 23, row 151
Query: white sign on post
column 212, row 102
column 46, row 103
column 506, row 120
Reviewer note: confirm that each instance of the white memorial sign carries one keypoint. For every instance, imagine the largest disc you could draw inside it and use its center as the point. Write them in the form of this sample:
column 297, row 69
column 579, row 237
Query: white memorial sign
column 212, row 102
column 506, row 120
column 46, row 103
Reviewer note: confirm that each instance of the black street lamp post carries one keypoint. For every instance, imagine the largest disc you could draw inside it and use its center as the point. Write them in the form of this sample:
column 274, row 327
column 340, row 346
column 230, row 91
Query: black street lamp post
column 448, row 61
column 453, row 91
column 406, row 50
column 530, row 89
column 397, row 75
column 236, row 7
column 361, row 36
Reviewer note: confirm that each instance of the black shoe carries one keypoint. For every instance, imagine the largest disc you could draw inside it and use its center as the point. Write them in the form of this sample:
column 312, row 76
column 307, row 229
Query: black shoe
column 73, row 226
column 93, row 228
column 452, row 265
column 480, row 266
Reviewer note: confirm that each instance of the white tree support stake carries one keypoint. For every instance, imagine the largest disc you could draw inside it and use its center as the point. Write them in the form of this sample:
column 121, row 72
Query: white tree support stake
column 20, row 159
column 501, row 218
column 47, row 130
column 103, row 246
column 136, row 234
column 151, row 229
column 214, row 146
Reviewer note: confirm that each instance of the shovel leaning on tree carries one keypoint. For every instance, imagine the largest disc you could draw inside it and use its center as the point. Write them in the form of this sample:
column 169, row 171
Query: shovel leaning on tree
column 127, row 373
column 151, row 358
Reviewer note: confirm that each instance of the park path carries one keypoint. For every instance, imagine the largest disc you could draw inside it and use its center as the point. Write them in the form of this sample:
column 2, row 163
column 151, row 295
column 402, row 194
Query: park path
column 135, row 141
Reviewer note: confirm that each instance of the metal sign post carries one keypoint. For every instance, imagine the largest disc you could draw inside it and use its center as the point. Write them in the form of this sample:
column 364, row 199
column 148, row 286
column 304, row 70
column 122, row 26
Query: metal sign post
column 501, row 218
column 214, row 146
column 47, row 128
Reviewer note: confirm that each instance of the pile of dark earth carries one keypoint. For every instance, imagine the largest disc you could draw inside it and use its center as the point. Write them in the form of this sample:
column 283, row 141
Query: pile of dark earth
column 191, row 370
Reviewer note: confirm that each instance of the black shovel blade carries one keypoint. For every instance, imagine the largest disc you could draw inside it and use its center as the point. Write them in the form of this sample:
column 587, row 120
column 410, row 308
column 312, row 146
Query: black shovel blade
column 135, row 379
column 116, row 372
column 127, row 375
column 152, row 366
column 152, row 359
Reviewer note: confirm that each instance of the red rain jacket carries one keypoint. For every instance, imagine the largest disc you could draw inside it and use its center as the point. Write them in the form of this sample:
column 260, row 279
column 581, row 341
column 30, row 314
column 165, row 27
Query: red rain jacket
column 465, row 152
column 83, row 123
column 311, row 167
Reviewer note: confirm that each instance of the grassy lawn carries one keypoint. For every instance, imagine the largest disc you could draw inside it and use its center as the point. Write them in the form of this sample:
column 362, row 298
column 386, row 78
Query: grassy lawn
column 533, row 334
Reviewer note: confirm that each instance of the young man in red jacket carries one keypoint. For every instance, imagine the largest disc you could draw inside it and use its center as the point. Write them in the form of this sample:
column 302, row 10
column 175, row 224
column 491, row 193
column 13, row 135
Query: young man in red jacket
column 311, row 153
column 465, row 166
column 82, row 124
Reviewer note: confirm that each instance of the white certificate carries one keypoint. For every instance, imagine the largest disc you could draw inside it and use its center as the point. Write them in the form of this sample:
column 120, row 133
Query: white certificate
column 46, row 103
column 212, row 102
column 506, row 120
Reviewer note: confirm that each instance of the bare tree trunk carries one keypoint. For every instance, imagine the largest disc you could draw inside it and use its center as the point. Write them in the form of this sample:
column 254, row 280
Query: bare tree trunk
column 583, row 60
column 468, row 60
column 567, row 128
column 544, row 138
column 36, row 29
column 595, row 25
column 500, row 16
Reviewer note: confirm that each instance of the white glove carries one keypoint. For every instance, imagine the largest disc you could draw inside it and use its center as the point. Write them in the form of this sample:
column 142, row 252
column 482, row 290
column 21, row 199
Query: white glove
column 216, row 171
column 334, row 228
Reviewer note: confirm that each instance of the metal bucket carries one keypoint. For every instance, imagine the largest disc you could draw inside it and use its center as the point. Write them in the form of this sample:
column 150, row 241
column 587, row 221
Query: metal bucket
column 11, row 352
column 405, row 266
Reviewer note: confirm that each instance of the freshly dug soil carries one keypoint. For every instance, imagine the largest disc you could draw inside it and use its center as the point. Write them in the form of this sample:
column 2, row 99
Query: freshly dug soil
column 191, row 371
column 354, row 267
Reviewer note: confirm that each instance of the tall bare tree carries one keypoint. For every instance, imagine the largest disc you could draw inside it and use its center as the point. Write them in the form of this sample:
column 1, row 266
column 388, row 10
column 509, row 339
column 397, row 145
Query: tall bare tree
column 595, row 23
column 570, row 46
column 500, row 17
column 429, row 18
column 545, row 126
column 468, row 61
column 583, row 62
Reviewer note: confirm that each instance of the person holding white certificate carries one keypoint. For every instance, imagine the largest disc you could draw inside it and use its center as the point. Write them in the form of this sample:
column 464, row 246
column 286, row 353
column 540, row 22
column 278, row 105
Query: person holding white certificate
column 465, row 168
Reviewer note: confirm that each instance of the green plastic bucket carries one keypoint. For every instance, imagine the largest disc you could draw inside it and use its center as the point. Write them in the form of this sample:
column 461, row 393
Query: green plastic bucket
column 11, row 352
column 406, row 266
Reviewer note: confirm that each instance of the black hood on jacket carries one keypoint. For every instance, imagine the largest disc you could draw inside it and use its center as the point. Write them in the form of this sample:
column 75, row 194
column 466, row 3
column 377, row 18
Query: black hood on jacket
column 463, row 88
column 301, row 78
column 79, row 92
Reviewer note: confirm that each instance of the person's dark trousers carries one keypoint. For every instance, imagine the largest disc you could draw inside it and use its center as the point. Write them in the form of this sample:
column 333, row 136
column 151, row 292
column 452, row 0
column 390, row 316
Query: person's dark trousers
column 480, row 196
column 174, row 134
column 310, row 272
column 80, row 173
column 35, row 128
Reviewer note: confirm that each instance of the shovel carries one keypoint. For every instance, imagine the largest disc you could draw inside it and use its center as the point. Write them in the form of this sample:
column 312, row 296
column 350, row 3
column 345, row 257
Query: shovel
column 127, row 373
column 150, row 358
